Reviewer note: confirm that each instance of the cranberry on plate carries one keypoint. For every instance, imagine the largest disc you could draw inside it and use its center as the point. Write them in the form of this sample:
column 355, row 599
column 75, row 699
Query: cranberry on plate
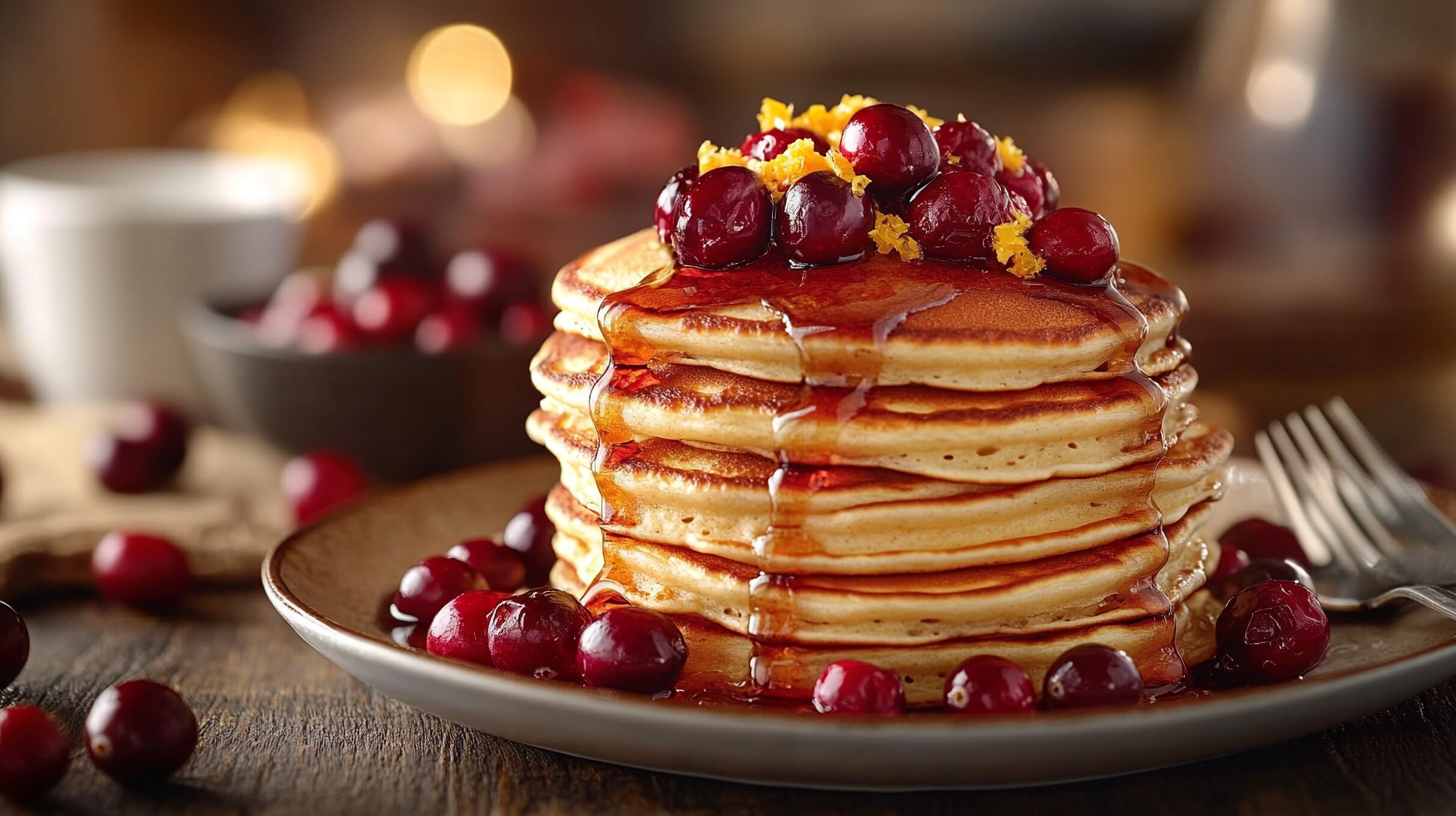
column 856, row 687
column 140, row 732
column 427, row 586
column 1078, row 245
column 461, row 629
column 954, row 217
column 14, row 644
column 664, row 214
column 1051, row 191
column 1230, row 560
column 143, row 452
column 771, row 143
column 821, row 221
column 1263, row 569
column 500, row 566
column 892, row 146
column 140, row 570
column 529, row 532
column 34, row 754
column 1026, row 184
column 1265, row 539
column 631, row 649
column 987, row 684
column 723, row 219
column 536, row 634
column 1272, row 631
column 972, row 146
column 321, row 480
column 1091, row 675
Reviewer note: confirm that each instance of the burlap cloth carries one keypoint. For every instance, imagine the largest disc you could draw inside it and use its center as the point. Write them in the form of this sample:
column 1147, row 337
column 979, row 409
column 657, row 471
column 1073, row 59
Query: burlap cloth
column 225, row 510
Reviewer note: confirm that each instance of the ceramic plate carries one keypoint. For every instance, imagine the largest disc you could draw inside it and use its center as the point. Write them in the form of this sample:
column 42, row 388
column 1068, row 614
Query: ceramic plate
column 328, row 582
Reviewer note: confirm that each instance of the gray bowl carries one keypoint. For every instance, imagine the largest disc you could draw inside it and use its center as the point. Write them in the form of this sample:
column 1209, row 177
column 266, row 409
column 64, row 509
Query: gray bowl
column 402, row 414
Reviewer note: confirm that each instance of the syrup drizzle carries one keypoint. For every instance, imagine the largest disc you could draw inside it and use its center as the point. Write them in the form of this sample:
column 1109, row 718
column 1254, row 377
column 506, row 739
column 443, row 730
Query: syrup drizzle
column 840, row 319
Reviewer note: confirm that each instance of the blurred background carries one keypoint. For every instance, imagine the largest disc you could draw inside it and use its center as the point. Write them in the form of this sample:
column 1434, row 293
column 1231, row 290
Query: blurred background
column 1290, row 163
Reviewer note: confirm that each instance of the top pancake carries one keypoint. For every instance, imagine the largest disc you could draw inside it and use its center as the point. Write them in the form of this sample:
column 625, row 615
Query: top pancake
column 929, row 323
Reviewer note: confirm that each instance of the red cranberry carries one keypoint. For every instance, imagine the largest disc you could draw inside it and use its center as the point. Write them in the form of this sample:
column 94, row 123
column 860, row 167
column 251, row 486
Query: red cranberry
column 771, row 143
column 14, row 644
column 892, row 146
column 357, row 273
column 1265, row 539
column 141, row 570
column 525, row 323
column 631, row 649
column 326, row 330
column 954, row 216
column 1091, row 675
column 856, row 687
column 293, row 300
column 460, row 629
column 1272, row 631
column 500, row 566
column 722, row 220
column 1051, row 191
column 321, row 480
column 987, row 684
column 1230, row 561
column 536, row 633
column 394, row 242
column 486, row 280
column 1078, row 245
column 143, row 452
column 821, row 221
column 1027, row 185
column 139, row 732
column 664, row 214
column 971, row 144
column 447, row 329
column 432, row 583
column 389, row 311
column 529, row 532
column 1264, row 569
column 34, row 754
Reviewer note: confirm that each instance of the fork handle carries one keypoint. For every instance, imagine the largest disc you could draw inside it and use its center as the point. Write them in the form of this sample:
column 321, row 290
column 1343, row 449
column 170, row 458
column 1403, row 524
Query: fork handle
column 1438, row 598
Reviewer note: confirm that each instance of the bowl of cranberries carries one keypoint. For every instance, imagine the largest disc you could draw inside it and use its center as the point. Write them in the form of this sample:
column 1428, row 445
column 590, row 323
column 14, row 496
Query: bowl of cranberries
column 410, row 361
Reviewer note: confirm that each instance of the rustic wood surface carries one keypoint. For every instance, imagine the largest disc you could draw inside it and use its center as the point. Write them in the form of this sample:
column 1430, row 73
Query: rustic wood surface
column 285, row 732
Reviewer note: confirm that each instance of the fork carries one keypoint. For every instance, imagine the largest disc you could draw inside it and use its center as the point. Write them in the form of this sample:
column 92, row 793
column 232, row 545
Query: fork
column 1369, row 529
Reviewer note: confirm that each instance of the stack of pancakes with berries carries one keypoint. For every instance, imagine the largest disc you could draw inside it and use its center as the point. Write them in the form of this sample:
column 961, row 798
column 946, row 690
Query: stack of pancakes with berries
column 868, row 393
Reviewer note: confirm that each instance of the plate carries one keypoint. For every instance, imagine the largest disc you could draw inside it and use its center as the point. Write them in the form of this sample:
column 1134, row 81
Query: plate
column 328, row 582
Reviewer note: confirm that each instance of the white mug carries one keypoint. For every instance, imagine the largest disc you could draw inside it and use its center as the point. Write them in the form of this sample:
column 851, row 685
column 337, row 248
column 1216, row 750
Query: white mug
column 100, row 251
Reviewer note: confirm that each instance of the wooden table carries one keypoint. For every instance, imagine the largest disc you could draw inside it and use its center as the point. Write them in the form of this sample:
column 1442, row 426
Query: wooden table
column 285, row 732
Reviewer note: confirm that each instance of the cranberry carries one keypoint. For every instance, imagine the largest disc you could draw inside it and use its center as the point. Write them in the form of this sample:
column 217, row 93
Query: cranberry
column 14, row 644
column 326, row 330
column 142, row 570
column 971, row 144
column 1230, row 561
column 321, row 480
column 722, row 220
column 143, row 452
column 293, row 300
column 663, row 215
column 139, row 732
column 856, row 687
column 1051, row 191
column 486, row 280
column 460, row 629
column 1265, row 539
column 447, row 329
column 1272, row 631
column 1027, row 185
column 537, row 632
column 1078, row 245
column 631, row 649
column 34, row 754
column 529, row 532
column 892, row 146
column 525, row 323
column 821, row 221
column 1264, row 569
column 394, row 242
column 987, row 684
column 771, row 143
column 500, row 566
column 1091, row 675
column 357, row 273
column 389, row 311
column 954, row 216
column 432, row 583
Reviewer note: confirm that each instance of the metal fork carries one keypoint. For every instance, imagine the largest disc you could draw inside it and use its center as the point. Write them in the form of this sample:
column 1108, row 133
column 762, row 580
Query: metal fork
column 1367, row 527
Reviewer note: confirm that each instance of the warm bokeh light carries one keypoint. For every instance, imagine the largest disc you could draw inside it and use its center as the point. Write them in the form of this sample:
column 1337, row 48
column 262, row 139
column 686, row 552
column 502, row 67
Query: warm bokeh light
column 503, row 139
column 382, row 136
column 460, row 75
column 267, row 117
column 1281, row 93
column 1442, row 224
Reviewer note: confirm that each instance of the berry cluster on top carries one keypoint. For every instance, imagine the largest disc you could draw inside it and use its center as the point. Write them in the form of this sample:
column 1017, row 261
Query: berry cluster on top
column 829, row 185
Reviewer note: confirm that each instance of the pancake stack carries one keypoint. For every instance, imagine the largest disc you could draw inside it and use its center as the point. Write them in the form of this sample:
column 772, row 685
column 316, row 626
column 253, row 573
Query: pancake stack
column 906, row 463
